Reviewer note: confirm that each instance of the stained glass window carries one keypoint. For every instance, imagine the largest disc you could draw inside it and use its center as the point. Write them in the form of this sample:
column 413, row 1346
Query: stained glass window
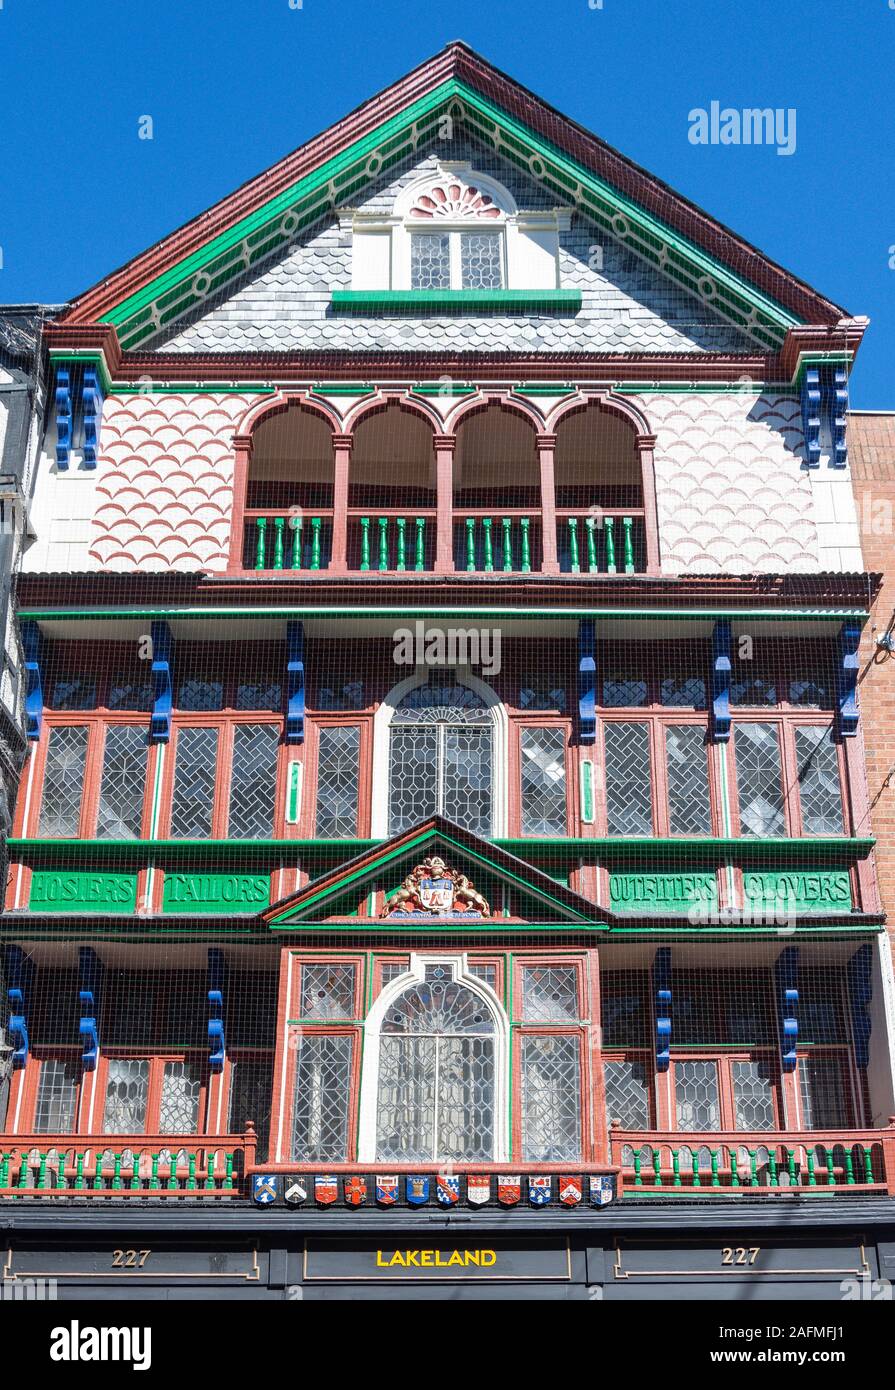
column 253, row 781
column 759, row 779
column 120, row 815
column 551, row 1098
column 696, row 1095
column 57, row 1094
column 689, row 808
column 481, row 265
column 627, row 1094
column 819, row 790
column 337, row 781
column 549, row 993
column 430, row 261
column 195, row 770
column 628, row 791
column 60, row 807
column 440, row 759
column 127, row 1095
column 322, row 1098
column 543, row 758
column 327, row 991
column 179, row 1108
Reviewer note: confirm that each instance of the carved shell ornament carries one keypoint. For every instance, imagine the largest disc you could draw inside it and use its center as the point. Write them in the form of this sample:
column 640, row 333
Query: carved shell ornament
column 452, row 199
column 434, row 890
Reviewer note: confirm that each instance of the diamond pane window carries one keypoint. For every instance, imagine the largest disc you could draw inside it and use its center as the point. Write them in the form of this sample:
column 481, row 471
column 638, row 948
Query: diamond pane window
column 179, row 1109
column 57, row 1095
column 759, row 779
column 125, row 694
column 430, row 261
column 120, row 814
column 60, row 807
column 752, row 688
column 543, row 758
column 819, row 790
column 551, row 1098
column 628, row 790
column 812, row 692
column 622, row 692
column 254, row 781
column 825, row 1103
column 391, row 970
column 195, row 770
column 337, row 781
column 259, row 695
column 250, row 1091
column 200, row 695
column 440, row 759
column 752, row 1095
column 696, row 1096
column 481, row 261
column 549, row 993
column 322, row 1098
column 76, row 693
column 689, row 807
column 627, row 1095
column 683, row 692
column 327, row 991
column 127, row 1093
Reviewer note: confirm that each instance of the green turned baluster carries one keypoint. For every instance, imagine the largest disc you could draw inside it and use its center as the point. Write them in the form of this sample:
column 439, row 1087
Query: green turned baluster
column 209, row 1181
column 812, row 1178
column 316, row 524
column 117, row 1184
column 773, row 1180
column 420, row 563
column 400, row 523
column 849, row 1169
column 80, row 1182
column 135, row 1174
column 191, row 1183
column 172, row 1173
column 716, row 1166
column 154, row 1182
column 573, row 545
column 676, row 1167
column 657, row 1167
column 98, row 1173
column 42, row 1171
column 4, row 1170
column 868, row 1166
column 694, row 1161
column 365, row 542
column 383, row 543
column 526, row 545
column 638, row 1180
column 228, row 1176
column 734, row 1170
column 507, row 544
column 470, row 543
column 609, row 533
column 279, row 523
column 627, row 526
column 831, row 1177
column 753, row 1167
column 487, row 522
column 590, row 530
column 791, row 1165
column 260, row 542
column 23, row 1171
column 297, row 523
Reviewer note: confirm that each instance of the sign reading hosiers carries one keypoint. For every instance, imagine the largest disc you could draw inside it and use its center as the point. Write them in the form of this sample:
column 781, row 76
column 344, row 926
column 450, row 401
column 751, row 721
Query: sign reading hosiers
column 438, row 1258
column 73, row 892
column 215, row 892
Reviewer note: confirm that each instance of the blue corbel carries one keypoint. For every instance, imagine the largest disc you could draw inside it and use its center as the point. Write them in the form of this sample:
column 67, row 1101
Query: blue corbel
column 20, row 976
column 811, row 406
column 295, row 682
column 860, row 993
column 32, row 649
column 587, row 682
column 849, row 713
column 162, row 660
column 721, row 681
column 786, row 972
column 216, row 1042
column 662, row 997
column 63, row 417
column 91, row 973
column 837, row 407
column 92, row 402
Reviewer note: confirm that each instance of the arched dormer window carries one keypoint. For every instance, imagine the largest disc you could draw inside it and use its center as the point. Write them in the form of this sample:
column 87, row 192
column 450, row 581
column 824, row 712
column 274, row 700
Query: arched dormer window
column 457, row 237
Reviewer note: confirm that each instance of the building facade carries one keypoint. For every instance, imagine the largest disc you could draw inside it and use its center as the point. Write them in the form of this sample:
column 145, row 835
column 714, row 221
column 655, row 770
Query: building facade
column 442, row 863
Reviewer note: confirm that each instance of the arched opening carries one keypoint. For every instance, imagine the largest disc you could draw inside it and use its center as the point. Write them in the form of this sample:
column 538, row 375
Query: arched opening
column 441, row 757
column 289, row 492
column 497, row 492
column 598, row 478
column 391, row 492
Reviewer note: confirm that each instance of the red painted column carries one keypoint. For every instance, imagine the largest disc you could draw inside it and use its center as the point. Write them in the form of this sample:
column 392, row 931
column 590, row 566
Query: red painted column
column 341, row 460
column 646, row 444
column 444, row 446
column 546, row 447
column 242, row 444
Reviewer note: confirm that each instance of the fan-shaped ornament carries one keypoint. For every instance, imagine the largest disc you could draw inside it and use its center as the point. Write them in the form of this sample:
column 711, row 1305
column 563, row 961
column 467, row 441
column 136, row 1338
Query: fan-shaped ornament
column 452, row 200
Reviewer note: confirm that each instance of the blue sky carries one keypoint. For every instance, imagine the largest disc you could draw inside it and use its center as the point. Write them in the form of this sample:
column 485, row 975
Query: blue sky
column 232, row 87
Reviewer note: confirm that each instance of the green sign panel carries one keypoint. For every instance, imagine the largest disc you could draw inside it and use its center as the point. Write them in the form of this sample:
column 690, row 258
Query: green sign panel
column 661, row 892
column 77, row 892
column 821, row 890
column 215, row 892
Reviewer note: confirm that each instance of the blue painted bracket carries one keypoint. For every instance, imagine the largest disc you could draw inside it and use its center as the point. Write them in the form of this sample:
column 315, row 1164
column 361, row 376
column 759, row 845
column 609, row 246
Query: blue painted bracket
column 849, row 662
column 786, row 972
column 91, row 974
column 92, row 404
column 721, row 641
column 20, row 977
column 63, row 417
column 295, row 683
column 662, row 992
column 811, row 415
column 162, row 678
column 838, row 414
column 860, row 993
column 216, row 1042
column 587, row 682
column 32, row 648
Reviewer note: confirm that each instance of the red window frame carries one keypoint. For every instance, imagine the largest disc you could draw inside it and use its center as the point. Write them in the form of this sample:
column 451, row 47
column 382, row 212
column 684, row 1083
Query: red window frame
column 157, row 1062
column 307, row 826
column 657, row 722
column 536, row 720
column 28, row 818
column 226, row 724
column 787, row 723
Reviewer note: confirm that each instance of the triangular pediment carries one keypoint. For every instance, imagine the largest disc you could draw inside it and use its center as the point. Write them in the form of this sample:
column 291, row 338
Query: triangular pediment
column 476, row 884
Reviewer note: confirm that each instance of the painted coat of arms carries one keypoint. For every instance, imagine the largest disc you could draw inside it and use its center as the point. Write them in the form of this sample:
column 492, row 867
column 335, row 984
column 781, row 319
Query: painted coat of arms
column 434, row 890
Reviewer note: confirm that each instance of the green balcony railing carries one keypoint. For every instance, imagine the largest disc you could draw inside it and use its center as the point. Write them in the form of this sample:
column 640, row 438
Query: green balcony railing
column 497, row 543
column 37, row 1165
column 601, row 542
column 388, row 542
column 287, row 541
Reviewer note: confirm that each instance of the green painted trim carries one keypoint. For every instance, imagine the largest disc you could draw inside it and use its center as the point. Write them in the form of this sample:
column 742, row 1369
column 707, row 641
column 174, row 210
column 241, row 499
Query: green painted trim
column 446, row 388
column 342, row 388
column 474, row 928
column 422, row 302
column 833, row 615
column 96, row 359
column 819, row 359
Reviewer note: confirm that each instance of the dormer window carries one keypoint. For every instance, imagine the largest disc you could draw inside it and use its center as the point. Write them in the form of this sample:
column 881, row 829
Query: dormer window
column 456, row 261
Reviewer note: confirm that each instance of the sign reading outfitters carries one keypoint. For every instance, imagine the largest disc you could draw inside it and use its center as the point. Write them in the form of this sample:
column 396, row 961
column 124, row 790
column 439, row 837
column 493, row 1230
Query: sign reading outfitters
column 438, row 1258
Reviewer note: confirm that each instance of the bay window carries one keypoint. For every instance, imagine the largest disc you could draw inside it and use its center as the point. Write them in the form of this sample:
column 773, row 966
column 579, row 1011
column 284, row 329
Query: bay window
column 788, row 778
column 224, row 782
column 72, row 806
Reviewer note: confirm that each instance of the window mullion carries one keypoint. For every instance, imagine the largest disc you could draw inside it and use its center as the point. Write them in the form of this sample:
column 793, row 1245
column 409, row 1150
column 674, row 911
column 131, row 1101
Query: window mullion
column 456, row 261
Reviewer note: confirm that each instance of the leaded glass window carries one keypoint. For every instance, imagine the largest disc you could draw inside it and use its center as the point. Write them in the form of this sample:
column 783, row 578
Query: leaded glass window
column 57, row 1095
column 441, row 759
column 542, row 696
column 819, row 791
column 481, row 261
column 628, row 790
column 78, row 692
column 689, row 807
column 696, row 1095
column 825, row 1103
column 195, row 771
column 337, row 781
column 487, row 973
column 126, row 694
column 551, row 1098
column 683, row 692
column 759, row 780
column 436, row 1088
column 543, row 758
column 253, row 783
column 250, row 1091
column 120, row 815
column 549, row 993
column 627, row 1094
column 60, row 807
column 179, row 1108
column 624, row 692
column 327, row 991
column 127, row 1094
column 430, row 261
column 259, row 695
column 322, row 1098
column 753, row 1096
column 197, row 694
column 391, row 969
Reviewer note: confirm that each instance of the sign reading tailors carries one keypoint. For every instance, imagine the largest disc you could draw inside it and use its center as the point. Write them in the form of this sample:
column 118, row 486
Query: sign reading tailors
column 438, row 1258
column 78, row 892
column 819, row 890
column 215, row 892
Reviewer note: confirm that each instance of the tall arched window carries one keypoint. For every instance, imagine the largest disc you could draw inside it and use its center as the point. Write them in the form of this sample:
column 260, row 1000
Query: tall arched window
column 441, row 758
